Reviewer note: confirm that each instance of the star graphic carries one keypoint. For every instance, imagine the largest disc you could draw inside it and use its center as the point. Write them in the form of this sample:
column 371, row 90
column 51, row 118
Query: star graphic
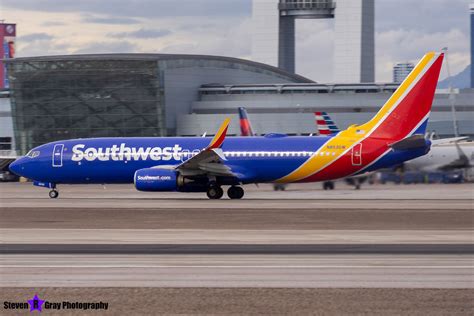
column 35, row 303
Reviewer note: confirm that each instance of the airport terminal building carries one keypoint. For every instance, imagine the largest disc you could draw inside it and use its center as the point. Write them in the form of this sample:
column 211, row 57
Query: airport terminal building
column 78, row 96
column 118, row 94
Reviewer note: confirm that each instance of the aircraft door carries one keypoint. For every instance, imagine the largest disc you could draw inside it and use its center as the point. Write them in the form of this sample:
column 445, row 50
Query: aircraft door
column 357, row 155
column 58, row 155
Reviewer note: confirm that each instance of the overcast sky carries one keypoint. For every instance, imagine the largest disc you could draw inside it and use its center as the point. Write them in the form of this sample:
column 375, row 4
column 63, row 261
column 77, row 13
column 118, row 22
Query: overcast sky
column 405, row 29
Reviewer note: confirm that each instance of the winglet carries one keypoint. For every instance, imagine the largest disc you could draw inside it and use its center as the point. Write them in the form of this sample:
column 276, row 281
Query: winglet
column 220, row 135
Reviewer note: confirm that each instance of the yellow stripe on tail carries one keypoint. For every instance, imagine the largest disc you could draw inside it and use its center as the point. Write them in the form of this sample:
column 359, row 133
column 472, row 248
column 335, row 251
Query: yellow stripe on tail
column 220, row 135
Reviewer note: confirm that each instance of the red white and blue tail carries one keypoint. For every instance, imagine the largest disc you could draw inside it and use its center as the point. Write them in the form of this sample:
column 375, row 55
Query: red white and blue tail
column 325, row 124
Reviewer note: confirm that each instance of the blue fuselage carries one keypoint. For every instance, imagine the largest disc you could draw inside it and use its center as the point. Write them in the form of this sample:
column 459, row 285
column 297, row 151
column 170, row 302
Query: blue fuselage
column 115, row 160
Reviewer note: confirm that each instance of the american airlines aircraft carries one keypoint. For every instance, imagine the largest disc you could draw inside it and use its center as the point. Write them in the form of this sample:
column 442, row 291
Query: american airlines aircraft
column 200, row 164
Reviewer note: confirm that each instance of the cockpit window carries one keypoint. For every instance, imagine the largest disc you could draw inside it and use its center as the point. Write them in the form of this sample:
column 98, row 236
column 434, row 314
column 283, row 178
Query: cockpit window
column 33, row 154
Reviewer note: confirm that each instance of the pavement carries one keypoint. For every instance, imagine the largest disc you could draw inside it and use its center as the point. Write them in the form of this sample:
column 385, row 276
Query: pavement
column 74, row 236
column 291, row 270
column 253, row 301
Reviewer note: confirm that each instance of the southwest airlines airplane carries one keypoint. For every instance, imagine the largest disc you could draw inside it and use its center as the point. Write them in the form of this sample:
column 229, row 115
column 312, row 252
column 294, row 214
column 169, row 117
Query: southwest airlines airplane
column 198, row 164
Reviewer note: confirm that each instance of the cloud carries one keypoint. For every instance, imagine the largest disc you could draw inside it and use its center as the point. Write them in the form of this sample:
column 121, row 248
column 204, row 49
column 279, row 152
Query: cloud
column 405, row 30
column 134, row 8
column 53, row 23
column 108, row 19
column 426, row 16
column 415, row 44
column 199, row 25
column 42, row 48
column 142, row 33
column 107, row 47
column 34, row 37
column 222, row 37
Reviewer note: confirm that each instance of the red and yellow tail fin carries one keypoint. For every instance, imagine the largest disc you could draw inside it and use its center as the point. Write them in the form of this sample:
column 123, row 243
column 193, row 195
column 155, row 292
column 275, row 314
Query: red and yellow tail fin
column 404, row 114
column 407, row 110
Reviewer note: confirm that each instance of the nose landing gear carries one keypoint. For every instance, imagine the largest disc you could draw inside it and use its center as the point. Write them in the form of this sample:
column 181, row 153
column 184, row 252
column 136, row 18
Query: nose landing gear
column 53, row 193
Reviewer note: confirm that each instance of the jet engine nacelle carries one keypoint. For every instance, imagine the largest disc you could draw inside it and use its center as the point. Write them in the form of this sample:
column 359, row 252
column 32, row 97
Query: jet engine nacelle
column 153, row 179
column 156, row 180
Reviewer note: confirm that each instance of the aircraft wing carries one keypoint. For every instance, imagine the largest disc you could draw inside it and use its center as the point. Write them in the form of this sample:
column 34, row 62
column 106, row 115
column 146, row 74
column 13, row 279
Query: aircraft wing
column 211, row 159
column 447, row 140
column 461, row 162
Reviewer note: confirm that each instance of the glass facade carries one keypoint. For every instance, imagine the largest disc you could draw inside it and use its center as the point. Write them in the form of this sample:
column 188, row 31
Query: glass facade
column 64, row 99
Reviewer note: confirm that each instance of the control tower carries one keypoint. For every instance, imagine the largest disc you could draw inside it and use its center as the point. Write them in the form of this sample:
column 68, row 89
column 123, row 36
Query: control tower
column 273, row 40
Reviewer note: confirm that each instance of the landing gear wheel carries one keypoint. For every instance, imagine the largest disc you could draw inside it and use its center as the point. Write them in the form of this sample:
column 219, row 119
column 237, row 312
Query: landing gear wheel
column 279, row 187
column 215, row 193
column 53, row 194
column 235, row 192
column 328, row 185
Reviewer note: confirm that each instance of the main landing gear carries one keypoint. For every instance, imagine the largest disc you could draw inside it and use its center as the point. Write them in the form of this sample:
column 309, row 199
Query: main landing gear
column 53, row 193
column 235, row 192
column 215, row 192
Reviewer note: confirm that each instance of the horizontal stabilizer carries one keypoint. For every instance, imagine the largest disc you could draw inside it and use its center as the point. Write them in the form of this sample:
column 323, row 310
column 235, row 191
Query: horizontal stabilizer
column 451, row 140
column 412, row 142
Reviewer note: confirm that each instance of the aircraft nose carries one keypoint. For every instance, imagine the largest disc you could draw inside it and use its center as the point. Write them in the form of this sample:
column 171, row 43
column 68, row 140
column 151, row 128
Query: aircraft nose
column 16, row 166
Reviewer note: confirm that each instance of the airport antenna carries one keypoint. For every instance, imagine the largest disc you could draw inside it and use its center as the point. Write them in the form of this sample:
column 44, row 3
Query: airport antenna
column 452, row 96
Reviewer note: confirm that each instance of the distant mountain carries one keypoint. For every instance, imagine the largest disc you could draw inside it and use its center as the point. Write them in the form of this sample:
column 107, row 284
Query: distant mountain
column 461, row 80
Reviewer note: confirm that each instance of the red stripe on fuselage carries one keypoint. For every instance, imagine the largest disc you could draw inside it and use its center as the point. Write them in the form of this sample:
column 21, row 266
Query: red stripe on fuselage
column 342, row 167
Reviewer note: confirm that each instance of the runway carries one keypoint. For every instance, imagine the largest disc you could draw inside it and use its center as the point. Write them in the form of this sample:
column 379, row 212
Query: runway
column 346, row 247
column 288, row 270
column 233, row 249
column 243, row 237
column 297, row 196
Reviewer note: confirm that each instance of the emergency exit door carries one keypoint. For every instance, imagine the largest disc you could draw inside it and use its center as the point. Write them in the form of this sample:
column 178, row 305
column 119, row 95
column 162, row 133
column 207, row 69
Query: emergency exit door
column 357, row 155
